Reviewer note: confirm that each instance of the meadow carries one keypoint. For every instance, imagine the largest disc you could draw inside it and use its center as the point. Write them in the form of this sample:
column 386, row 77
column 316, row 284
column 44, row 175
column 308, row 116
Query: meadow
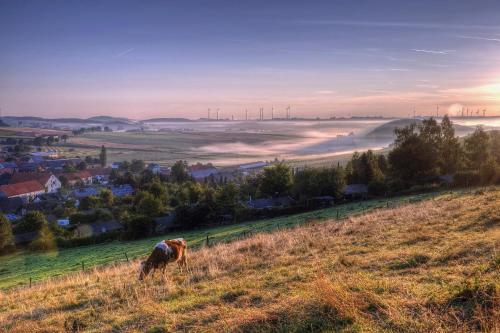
column 17, row 269
column 429, row 266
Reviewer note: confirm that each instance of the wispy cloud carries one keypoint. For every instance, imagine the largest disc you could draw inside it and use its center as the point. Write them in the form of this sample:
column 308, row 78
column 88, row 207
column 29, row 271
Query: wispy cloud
column 395, row 24
column 481, row 38
column 433, row 51
column 121, row 54
column 325, row 92
column 391, row 70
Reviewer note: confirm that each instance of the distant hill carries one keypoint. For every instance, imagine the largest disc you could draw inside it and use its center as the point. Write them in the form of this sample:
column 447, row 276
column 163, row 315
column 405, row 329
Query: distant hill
column 108, row 119
column 165, row 120
column 386, row 131
column 97, row 119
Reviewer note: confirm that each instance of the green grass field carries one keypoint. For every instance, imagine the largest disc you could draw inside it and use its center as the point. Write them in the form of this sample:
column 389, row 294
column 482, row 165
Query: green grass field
column 17, row 269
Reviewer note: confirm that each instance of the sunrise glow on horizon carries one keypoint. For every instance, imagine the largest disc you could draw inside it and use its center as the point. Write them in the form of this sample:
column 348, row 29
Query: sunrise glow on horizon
column 178, row 59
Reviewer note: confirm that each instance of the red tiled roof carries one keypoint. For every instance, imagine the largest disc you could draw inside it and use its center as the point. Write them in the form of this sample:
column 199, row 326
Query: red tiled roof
column 99, row 171
column 12, row 190
column 77, row 175
column 20, row 177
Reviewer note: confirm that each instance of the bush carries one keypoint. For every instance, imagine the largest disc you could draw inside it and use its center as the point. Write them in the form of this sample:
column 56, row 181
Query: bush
column 138, row 227
column 44, row 242
column 377, row 187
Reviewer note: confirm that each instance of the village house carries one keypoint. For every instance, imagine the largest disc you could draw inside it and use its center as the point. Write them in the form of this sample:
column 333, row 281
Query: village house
column 58, row 164
column 201, row 172
column 84, row 177
column 50, row 182
column 100, row 175
column 28, row 189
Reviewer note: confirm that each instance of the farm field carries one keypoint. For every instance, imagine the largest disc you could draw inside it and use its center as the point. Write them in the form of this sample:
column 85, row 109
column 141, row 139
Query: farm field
column 430, row 266
column 17, row 269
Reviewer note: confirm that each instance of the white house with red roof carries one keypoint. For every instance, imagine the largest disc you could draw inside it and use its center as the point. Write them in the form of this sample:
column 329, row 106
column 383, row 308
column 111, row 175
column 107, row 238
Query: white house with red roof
column 28, row 189
column 50, row 183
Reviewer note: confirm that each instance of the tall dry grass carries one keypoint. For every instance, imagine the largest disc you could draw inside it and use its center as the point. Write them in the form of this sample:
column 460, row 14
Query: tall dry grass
column 427, row 267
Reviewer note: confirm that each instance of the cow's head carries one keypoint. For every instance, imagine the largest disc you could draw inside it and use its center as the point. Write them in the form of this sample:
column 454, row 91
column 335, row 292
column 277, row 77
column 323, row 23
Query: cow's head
column 144, row 269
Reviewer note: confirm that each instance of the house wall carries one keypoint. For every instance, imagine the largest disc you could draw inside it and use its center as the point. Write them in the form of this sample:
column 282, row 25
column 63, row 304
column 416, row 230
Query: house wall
column 53, row 184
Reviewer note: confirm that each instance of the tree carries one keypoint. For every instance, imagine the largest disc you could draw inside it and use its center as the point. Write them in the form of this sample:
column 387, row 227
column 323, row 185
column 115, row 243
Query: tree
column 276, row 180
column 451, row 154
column 137, row 166
column 32, row 221
column 309, row 183
column 82, row 165
column 365, row 167
column 44, row 241
column 103, row 157
column 477, row 148
column 138, row 227
column 64, row 137
column 38, row 141
column 495, row 145
column 226, row 198
column 415, row 156
column 6, row 237
column 179, row 172
column 148, row 205
column 107, row 197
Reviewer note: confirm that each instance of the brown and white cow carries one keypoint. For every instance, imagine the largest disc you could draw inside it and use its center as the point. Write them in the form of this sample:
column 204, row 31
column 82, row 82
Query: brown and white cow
column 167, row 251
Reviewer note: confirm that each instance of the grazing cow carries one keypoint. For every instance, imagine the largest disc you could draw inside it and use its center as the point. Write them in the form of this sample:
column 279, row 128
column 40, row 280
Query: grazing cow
column 173, row 250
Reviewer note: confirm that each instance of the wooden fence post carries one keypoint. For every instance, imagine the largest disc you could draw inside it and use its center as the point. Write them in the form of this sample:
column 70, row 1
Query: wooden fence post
column 337, row 214
column 126, row 256
column 83, row 266
column 30, row 281
column 208, row 241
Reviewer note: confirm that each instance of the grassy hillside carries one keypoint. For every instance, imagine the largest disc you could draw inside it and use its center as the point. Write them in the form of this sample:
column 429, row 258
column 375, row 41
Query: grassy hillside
column 18, row 268
column 431, row 266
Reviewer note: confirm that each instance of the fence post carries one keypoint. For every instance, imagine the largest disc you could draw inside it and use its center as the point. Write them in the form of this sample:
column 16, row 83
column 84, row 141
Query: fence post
column 30, row 281
column 208, row 241
column 83, row 266
column 337, row 214
column 126, row 256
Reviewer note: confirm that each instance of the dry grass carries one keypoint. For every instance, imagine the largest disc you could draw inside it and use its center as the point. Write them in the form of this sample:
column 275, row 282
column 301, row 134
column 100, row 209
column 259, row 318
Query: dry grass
column 427, row 267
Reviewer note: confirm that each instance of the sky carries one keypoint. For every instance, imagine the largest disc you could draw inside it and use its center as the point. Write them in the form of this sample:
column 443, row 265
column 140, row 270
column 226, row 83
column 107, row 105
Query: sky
column 147, row 59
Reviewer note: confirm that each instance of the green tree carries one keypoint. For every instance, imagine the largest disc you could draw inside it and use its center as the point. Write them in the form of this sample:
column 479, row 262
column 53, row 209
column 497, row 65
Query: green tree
column 103, row 156
column 309, row 183
column 107, row 197
column 45, row 240
column 148, row 205
column 137, row 166
column 276, row 180
column 477, row 148
column 363, row 168
column 451, row 153
column 138, row 227
column 415, row 155
column 179, row 172
column 32, row 221
column 6, row 237
column 495, row 145
column 226, row 198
